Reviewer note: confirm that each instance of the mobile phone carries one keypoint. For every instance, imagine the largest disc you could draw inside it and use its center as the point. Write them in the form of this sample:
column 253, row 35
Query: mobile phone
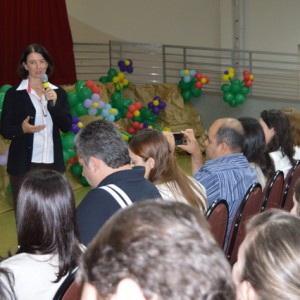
column 178, row 136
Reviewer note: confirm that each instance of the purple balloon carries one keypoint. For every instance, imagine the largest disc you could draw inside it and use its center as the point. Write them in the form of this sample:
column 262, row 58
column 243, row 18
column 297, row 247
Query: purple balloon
column 75, row 119
column 75, row 128
column 156, row 110
column 150, row 105
column 157, row 98
column 129, row 69
column 162, row 104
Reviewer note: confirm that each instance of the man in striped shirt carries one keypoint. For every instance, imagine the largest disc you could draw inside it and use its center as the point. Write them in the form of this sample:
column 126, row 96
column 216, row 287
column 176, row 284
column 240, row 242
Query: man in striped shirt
column 227, row 173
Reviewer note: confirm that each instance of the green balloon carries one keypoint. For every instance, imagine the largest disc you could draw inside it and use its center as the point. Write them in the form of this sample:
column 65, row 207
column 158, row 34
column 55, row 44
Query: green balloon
column 84, row 181
column 195, row 91
column 239, row 98
column 225, row 87
column 228, row 97
column 66, row 156
column 112, row 73
column 1, row 99
column 4, row 88
column 103, row 79
column 245, row 90
column 72, row 98
column 80, row 110
column 236, row 82
column 233, row 103
column 235, row 89
column 145, row 113
column 184, row 86
column 128, row 101
column 186, row 95
column 9, row 189
column 85, row 93
column 76, row 169
column 79, row 85
column 67, row 140
column 137, row 119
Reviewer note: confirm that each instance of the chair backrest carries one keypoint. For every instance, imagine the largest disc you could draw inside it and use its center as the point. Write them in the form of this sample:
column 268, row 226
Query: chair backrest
column 69, row 289
column 250, row 206
column 272, row 193
column 217, row 216
column 288, row 189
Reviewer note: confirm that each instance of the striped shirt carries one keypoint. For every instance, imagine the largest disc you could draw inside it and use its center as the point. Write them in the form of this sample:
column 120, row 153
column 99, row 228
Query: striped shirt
column 229, row 178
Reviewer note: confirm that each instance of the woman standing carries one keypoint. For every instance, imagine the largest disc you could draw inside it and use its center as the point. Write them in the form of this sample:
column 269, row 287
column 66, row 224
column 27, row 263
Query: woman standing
column 33, row 113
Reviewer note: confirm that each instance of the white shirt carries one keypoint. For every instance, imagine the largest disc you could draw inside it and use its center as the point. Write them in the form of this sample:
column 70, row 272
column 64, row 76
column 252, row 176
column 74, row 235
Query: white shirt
column 297, row 152
column 33, row 275
column 42, row 150
column 281, row 162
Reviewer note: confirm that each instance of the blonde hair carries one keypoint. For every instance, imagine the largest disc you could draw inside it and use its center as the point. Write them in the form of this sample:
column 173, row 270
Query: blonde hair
column 294, row 119
column 271, row 252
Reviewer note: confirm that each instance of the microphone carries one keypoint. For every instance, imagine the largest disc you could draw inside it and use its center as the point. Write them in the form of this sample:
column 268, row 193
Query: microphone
column 44, row 79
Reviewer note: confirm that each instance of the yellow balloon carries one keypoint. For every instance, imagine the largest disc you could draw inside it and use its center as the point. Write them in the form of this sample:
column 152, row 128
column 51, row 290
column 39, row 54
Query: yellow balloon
column 251, row 77
column 230, row 70
column 112, row 111
column 186, row 72
column 203, row 80
column 125, row 82
column 115, row 79
column 155, row 102
column 136, row 113
column 95, row 104
column 121, row 75
column 127, row 62
column 231, row 75
column 167, row 129
column 225, row 77
column 80, row 124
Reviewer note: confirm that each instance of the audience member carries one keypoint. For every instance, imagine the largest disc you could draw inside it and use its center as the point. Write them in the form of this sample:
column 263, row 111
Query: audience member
column 296, row 199
column 294, row 119
column 6, row 285
column 33, row 117
column 268, row 265
column 151, row 149
column 47, row 235
column 227, row 173
column 255, row 149
column 277, row 131
column 156, row 250
column 104, row 157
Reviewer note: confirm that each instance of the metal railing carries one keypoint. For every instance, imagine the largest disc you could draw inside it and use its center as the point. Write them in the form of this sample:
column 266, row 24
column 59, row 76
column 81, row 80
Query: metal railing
column 277, row 75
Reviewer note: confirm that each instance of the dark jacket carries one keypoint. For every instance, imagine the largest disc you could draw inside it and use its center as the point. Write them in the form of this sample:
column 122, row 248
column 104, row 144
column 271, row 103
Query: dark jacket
column 17, row 106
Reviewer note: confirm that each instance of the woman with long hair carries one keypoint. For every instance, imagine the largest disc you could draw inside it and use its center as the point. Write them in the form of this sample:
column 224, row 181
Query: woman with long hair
column 47, row 235
column 255, row 149
column 151, row 149
column 278, row 137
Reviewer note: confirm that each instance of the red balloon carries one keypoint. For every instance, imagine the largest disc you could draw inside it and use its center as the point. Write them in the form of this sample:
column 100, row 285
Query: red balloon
column 246, row 77
column 198, row 84
column 131, row 108
column 131, row 130
column 198, row 75
column 89, row 83
column 96, row 89
column 138, row 105
column 207, row 79
column 129, row 115
column 136, row 125
column 248, row 83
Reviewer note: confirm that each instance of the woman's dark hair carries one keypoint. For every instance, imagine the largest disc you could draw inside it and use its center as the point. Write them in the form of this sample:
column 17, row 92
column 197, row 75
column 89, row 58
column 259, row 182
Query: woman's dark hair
column 46, row 218
column 282, row 139
column 255, row 148
column 31, row 49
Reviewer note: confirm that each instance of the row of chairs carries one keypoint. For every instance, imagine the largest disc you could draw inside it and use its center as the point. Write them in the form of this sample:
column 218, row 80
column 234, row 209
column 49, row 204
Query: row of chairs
column 278, row 193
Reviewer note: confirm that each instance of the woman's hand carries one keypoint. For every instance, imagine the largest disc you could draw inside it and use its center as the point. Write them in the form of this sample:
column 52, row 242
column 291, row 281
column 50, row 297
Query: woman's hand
column 51, row 95
column 28, row 128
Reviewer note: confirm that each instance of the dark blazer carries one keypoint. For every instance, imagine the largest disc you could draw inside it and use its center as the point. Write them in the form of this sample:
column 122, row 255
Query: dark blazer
column 17, row 106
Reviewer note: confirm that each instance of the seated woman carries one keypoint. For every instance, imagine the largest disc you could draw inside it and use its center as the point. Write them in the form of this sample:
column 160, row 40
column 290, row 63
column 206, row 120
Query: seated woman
column 255, row 149
column 278, row 137
column 151, row 149
column 268, row 265
column 47, row 236
column 294, row 118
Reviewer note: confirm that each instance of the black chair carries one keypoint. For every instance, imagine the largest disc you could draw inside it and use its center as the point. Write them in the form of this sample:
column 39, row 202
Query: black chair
column 273, row 192
column 69, row 289
column 217, row 216
column 250, row 206
column 289, row 185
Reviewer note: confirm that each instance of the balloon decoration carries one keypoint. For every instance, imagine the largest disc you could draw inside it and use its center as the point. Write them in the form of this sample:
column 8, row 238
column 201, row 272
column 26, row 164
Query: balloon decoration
column 3, row 90
column 111, row 73
column 191, row 83
column 120, row 81
column 156, row 105
column 126, row 65
column 236, row 91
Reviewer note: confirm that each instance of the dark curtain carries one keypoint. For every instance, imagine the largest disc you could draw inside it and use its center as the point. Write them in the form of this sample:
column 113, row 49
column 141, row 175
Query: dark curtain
column 36, row 21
